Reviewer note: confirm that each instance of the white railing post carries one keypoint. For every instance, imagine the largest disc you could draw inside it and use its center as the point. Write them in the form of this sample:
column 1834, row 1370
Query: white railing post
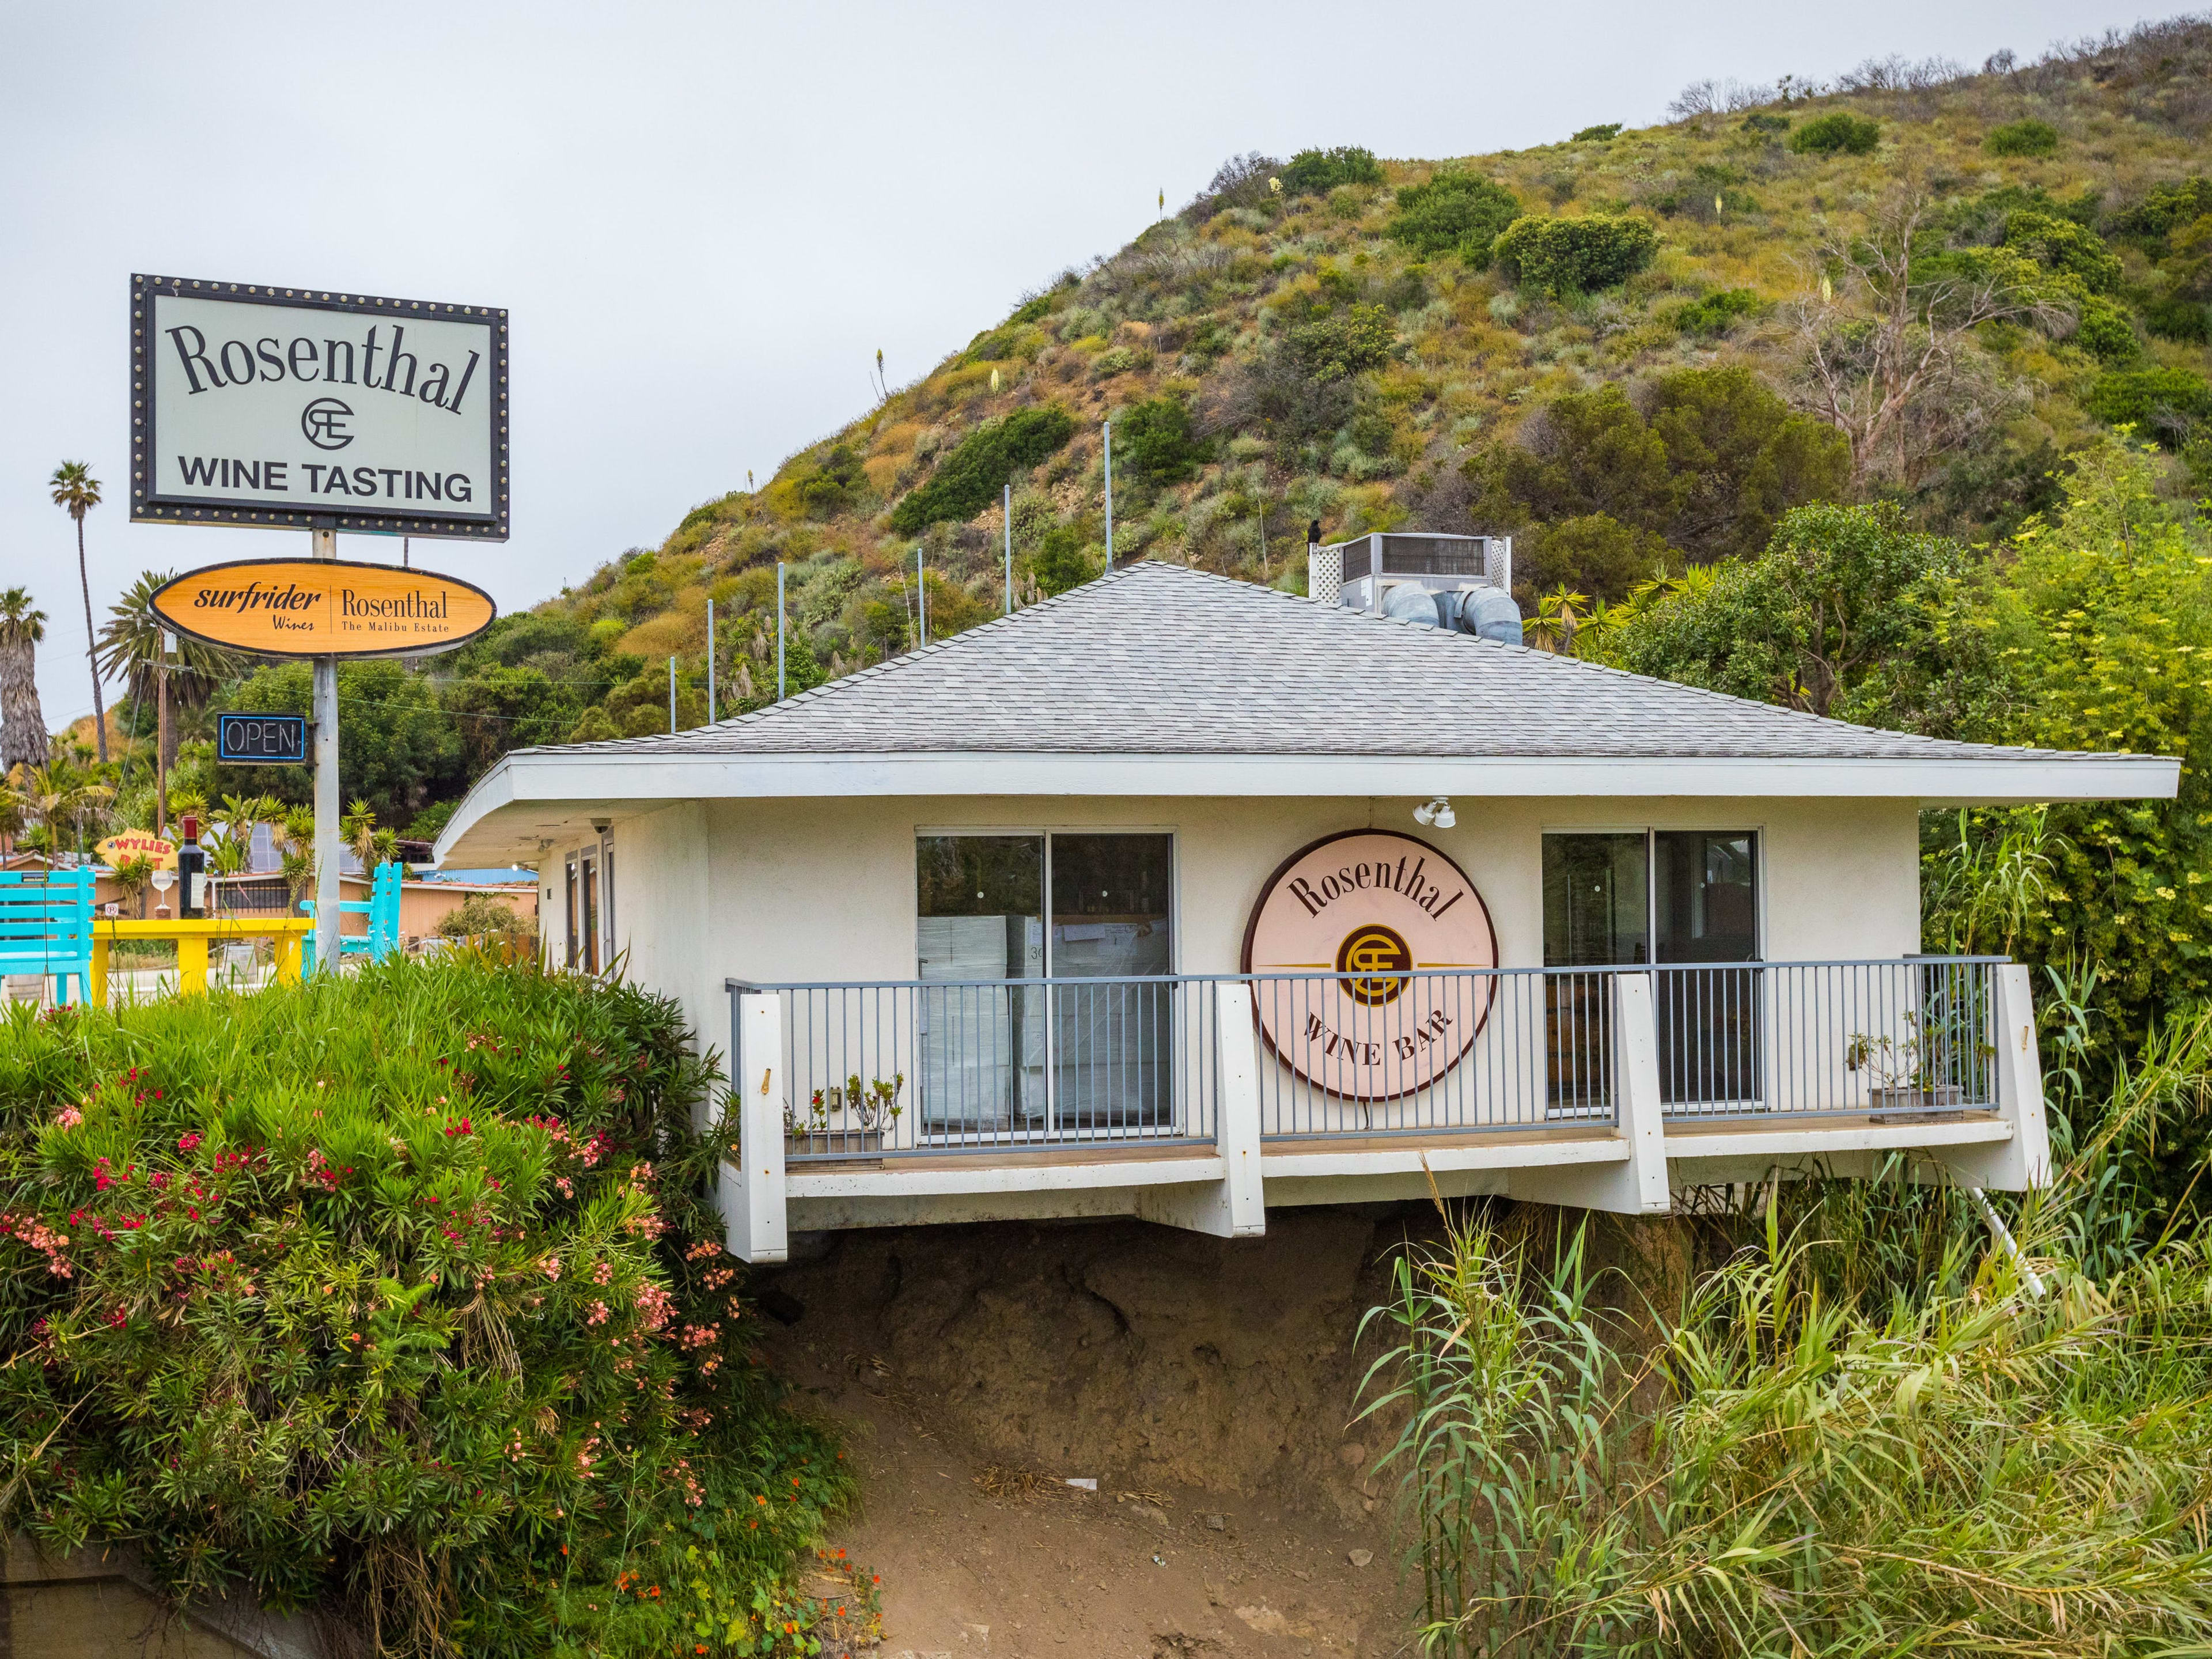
column 754, row 1214
column 1235, row 1207
column 1636, row 1185
column 2023, row 1162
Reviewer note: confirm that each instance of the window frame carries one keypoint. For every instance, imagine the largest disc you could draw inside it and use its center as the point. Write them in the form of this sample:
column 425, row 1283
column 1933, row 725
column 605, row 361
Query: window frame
column 1651, row 832
column 1175, row 876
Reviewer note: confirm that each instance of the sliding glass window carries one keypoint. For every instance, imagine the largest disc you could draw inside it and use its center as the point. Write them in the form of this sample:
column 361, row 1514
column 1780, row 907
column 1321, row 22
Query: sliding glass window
column 994, row 910
column 1683, row 897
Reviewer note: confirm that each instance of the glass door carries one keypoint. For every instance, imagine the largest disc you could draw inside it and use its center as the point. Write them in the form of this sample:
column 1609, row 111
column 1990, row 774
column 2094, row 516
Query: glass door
column 1705, row 911
column 1113, row 1047
column 980, row 1036
column 1597, row 913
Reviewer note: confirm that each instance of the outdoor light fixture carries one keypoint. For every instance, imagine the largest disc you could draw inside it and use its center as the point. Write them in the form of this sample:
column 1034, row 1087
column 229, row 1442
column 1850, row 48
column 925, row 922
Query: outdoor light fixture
column 1438, row 811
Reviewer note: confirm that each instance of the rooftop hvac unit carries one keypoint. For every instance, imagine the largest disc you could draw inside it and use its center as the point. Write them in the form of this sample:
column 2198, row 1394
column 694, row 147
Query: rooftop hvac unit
column 1460, row 582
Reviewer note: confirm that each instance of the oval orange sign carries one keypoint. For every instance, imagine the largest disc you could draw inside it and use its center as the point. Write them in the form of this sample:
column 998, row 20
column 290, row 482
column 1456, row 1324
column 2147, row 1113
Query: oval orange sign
column 325, row 607
column 1394, row 918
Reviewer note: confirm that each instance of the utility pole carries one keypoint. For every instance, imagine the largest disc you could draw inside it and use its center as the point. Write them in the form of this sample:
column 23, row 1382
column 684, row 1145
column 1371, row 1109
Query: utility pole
column 329, row 894
column 921, row 593
column 1010, row 551
column 778, row 630
column 710, row 662
column 162, row 732
column 1109, row 494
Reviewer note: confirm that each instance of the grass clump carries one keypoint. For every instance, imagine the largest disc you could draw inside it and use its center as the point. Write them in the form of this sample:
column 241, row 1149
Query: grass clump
column 2028, row 137
column 1841, row 133
column 396, row 1299
column 969, row 479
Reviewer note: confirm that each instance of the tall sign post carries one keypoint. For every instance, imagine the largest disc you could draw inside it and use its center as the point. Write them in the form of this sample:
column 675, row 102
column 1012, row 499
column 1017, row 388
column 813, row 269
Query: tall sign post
column 275, row 407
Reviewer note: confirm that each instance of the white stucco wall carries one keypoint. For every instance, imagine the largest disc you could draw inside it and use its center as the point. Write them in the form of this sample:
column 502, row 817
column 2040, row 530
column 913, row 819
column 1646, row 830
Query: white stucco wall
column 771, row 891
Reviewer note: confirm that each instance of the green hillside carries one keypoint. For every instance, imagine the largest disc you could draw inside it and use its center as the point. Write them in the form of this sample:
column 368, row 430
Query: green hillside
column 1339, row 338
column 1632, row 349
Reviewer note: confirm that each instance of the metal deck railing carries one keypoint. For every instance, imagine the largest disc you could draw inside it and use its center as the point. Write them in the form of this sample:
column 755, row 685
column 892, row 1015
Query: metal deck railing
column 925, row 1068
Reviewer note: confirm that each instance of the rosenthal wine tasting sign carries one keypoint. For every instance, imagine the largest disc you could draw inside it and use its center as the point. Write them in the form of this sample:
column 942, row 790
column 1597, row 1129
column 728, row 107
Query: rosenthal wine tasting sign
column 294, row 408
column 323, row 607
column 1376, row 906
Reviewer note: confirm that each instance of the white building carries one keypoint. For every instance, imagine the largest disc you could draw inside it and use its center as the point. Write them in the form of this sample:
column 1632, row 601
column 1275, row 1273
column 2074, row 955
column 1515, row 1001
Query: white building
column 1120, row 905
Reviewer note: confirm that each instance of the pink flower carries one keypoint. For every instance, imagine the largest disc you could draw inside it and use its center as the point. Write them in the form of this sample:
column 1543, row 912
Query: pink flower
column 186, row 1143
column 69, row 1118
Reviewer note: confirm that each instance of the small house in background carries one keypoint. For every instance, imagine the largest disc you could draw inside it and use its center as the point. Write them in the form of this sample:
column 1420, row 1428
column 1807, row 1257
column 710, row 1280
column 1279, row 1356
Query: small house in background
column 1179, row 897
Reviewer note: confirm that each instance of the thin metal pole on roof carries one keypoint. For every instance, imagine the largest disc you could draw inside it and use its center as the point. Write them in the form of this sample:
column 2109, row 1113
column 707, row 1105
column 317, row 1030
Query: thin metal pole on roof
column 778, row 630
column 672, row 696
column 1263, row 545
column 710, row 662
column 1009, row 550
column 1108, row 426
column 921, row 593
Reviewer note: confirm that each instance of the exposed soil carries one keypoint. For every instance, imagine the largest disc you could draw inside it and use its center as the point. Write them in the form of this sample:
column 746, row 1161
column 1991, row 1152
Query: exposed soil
column 1207, row 1386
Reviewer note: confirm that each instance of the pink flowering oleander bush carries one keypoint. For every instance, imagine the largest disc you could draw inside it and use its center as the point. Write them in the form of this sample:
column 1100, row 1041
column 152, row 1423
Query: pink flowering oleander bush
column 397, row 1298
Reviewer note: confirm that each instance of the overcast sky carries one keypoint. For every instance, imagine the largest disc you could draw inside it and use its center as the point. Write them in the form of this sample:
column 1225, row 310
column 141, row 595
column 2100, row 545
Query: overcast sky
column 706, row 219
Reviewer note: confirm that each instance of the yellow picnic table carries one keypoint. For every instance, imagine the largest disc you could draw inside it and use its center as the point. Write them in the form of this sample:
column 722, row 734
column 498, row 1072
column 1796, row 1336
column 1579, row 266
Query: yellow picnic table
column 193, row 936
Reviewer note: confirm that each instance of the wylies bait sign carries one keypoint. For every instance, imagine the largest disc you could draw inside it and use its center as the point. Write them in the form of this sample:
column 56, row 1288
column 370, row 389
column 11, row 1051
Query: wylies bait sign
column 319, row 607
column 118, row 850
column 1379, row 909
column 300, row 408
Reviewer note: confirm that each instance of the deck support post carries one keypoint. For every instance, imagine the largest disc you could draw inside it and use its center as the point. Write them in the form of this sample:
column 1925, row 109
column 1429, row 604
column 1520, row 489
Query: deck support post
column 1235, row 1207
column 2022, row 1163
column 1636, row 1185
column 753, row 1190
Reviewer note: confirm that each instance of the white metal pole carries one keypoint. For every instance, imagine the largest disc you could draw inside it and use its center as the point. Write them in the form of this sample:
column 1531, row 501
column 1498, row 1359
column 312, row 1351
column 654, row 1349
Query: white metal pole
column 329, row 893
column 1109, row 494
column 710, row 662
column 672, row 696
column 1009, row 550
column 921, row 593
column 778, row 630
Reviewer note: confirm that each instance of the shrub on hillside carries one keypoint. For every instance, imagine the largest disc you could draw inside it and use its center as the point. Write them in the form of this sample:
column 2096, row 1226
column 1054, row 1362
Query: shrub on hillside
column 2062, row 246
column 830, row 485
column 1344, row 343
column 1839, row 132
column 2164, row 209
column 2176, row 317
column 1155, row 439
column 2029, row 137
column 1063, row 559
column 2160, row 403
column 396, row 1298
column 969, row 479
column 1704, row 459
column 1718, row 312
column 2105, row 332
column 1601, row 134
column 1460, row 212
column 1317, row 171
column 1573, row 256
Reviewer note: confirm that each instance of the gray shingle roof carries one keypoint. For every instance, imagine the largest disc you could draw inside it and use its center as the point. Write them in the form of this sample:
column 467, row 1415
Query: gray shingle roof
column 1159, row 659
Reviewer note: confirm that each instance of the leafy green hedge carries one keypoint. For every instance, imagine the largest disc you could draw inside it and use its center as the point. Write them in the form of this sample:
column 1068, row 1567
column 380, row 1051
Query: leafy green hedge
column 1853, row 135
column 2160, row 404
column 1460, row 211
column 2028, row 137
column 1573, row 256
column 1317, row 171
column 397, row 1299
column 969, row 479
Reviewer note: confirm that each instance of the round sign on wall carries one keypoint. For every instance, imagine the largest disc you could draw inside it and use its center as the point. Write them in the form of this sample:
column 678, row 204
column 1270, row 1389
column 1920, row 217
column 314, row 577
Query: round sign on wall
column 1393, row 916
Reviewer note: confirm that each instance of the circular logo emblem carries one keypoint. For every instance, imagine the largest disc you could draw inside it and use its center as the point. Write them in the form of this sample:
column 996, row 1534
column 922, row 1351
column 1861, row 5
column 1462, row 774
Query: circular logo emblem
column 323, row 422
column 1373, row 952
column 1379, row 953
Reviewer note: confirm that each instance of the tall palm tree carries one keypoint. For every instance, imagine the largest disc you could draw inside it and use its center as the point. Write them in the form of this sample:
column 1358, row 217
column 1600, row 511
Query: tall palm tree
column 23, row 722
column 77, row 491
column 130, row 645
